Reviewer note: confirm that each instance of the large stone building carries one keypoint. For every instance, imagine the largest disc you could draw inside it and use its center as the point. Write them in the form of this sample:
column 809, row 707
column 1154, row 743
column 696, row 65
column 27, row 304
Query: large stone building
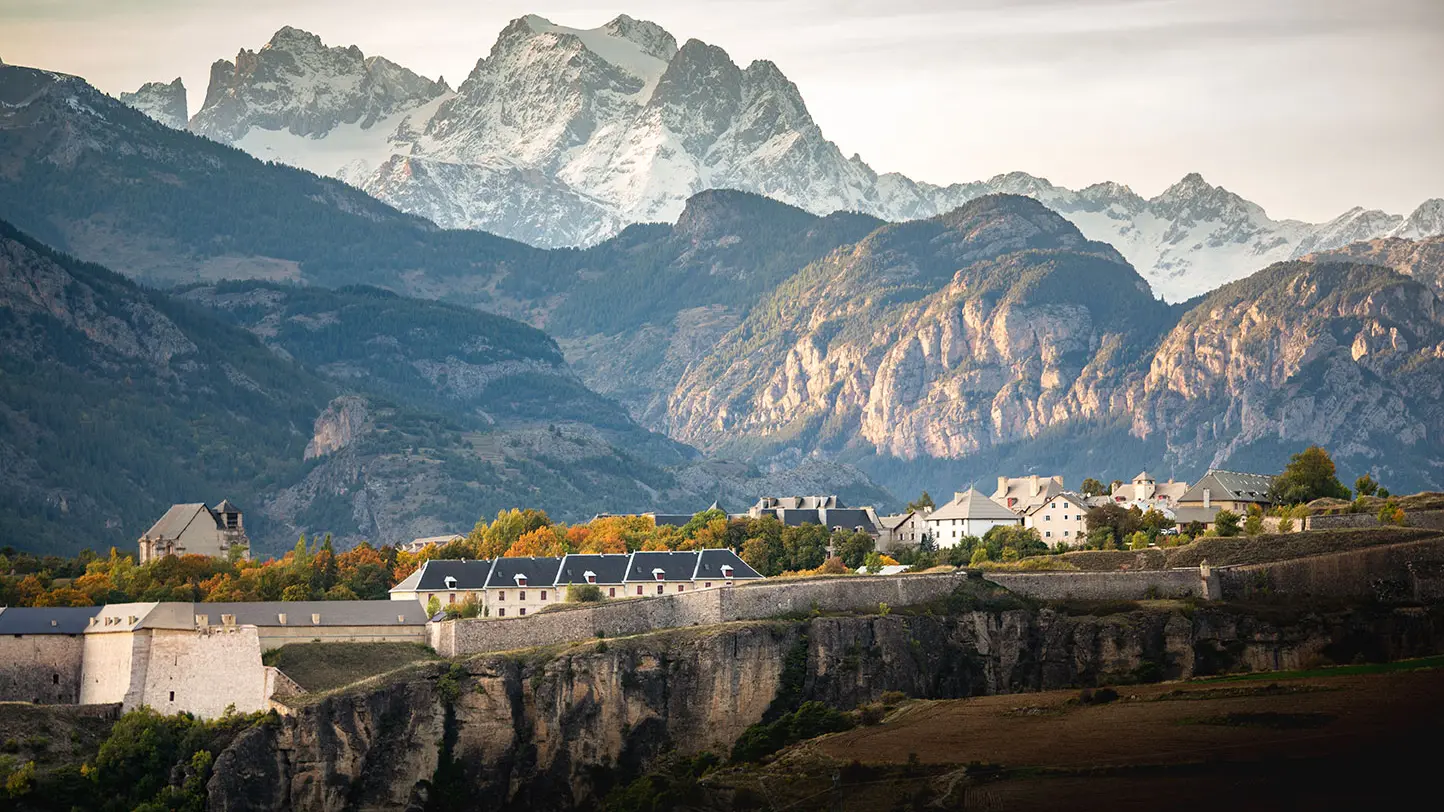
column 197, row 529
column 1022, row 494
column 1223, row 490
column 828, row 511
column 969, row 514
column 450, row 582
column 901, row 530
column 201, row 658
column 41, row 652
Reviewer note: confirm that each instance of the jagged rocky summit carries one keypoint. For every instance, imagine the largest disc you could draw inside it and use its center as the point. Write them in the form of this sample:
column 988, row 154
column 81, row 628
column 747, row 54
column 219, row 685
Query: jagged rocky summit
column 164, row 102
column 563, row 136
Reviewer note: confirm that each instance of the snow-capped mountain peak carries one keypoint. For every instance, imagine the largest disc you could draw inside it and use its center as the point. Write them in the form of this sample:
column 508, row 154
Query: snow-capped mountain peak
column 563, row 136
column 164, row 102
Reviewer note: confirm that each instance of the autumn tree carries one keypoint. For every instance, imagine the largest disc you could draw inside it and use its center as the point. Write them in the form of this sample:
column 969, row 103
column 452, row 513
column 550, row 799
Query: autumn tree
column 1091, row 487
column 1309, row 475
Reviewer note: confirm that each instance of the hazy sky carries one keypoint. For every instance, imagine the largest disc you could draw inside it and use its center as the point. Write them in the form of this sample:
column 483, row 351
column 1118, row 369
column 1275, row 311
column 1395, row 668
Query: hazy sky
column 1307, row 107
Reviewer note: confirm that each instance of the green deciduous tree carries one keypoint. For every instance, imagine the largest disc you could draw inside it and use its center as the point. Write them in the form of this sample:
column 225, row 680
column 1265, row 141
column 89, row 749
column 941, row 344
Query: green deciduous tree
column 1091, row 487
column 1366, row 485
column 1227, row 523
column 1310, row 475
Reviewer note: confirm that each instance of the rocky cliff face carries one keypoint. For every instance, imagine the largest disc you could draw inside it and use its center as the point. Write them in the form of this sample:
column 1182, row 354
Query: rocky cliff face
column 163, row 102
column 937, row 338
column 1422, row 259
column 555, row 731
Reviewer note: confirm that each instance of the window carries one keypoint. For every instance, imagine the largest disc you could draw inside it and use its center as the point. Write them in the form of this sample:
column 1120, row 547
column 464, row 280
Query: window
column 523, row 610
column 172, row 696
column 54, row 679
column 452, row 598
column 1048, row 534
column 709, row 585
column 501, row 612
column 1047, row 517
column 611, row 592
column 681, row 587
column 639, row 589
column 544, row 594
column 660, row 587
column 501, row 596
column 521, row 595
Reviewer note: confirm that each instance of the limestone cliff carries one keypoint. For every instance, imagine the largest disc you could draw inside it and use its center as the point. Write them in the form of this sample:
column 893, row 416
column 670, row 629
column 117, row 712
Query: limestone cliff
column 555, row 729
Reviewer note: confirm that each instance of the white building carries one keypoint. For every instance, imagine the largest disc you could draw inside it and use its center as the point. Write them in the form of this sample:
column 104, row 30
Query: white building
column 1147, row 492
column 969, row 514
column 901, row 530
column 1060, row 520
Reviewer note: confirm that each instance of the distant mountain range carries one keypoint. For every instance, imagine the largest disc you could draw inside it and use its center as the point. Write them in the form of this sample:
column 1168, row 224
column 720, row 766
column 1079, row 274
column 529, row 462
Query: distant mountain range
column 803, row 353
column 562, row 136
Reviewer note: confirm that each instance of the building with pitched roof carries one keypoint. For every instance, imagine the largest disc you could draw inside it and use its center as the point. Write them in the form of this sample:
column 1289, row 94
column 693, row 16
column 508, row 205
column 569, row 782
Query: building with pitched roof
column 451, row 582
column 416, row 545
column 1145, row 491
column 1023, row 493
column 605, row 571
column 660, row 573
column 520, row 586
column 196, row 529
column 1227, row 490
column 1060, row 520
column 721, row 567
column 901, row 530
column 970, row 513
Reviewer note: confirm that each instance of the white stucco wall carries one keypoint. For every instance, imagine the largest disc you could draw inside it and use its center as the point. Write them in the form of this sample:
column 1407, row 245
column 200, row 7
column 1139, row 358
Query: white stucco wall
column 108, row 668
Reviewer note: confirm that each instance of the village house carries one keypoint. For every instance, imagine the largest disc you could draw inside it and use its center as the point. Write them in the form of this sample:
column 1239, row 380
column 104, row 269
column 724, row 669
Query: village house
column 416, row 545
column 196, row 529
column 901, row 530
column 520, row 586
column 1022, row 494
column 969, row 514
column 1223, row 490
column 1145, row 492
column 451, row 582
column 828, row 511
column 1060, row 520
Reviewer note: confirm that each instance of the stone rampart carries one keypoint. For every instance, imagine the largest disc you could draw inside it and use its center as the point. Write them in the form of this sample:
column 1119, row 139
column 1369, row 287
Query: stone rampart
column 1057, row 586
column 1335, row 521
column 635, row 616
column 1385, row 572
column 41, row 668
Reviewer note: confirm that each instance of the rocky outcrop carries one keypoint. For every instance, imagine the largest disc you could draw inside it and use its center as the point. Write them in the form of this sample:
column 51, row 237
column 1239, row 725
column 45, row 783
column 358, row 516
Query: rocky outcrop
column 344, row 421
column 1422, row 259
column 554, row 731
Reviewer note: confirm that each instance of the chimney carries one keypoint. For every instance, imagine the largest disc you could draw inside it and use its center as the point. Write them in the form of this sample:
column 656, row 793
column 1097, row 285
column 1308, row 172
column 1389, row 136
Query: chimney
column 1207, row 498
column 1002, row 486
column 1033, row 486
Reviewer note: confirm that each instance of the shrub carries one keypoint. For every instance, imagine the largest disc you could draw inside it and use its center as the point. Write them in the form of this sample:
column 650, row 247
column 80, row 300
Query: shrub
column 810, row 720
column 1102, row 696
column 871, row 713
column 584, row 593
column 891, row 698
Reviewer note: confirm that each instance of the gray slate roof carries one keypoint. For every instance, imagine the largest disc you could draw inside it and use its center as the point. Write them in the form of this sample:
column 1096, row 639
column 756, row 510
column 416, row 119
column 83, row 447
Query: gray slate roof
column 333, row 613
column 971, row 504
column 178, row 518
column 676, row 566
column 468, row 574
column 46, row 619
column 710, row 563
column 1230, row 485
column 609, row 568
column 848, row 519
column 539, row 572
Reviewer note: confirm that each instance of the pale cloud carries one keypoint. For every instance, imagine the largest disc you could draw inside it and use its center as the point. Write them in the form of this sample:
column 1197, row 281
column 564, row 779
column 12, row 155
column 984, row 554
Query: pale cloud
column 1306, row 106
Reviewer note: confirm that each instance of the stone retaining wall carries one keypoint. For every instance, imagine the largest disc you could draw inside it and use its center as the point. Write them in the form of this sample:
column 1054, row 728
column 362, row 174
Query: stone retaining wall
column 635, row 616
column 1055, row 586
column 1385, row 572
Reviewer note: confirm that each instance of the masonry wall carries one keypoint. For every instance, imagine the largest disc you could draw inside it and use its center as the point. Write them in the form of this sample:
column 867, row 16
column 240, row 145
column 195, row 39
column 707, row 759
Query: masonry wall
column 108, row 670
column 1385, row 572
column 277, row 636
column 205, row 671
column 699, row 608
column 1055, row 586
column 41, row 668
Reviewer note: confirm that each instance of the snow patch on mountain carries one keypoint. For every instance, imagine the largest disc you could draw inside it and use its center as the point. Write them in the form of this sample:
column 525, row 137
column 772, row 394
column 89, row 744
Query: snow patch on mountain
column 163, row 101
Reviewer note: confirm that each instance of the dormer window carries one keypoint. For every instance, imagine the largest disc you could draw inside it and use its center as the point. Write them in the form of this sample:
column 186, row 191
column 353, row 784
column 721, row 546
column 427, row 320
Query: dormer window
column 590, row 576
column 659, row 574
column 450, row 581
column 727, row 571
column 520, row 579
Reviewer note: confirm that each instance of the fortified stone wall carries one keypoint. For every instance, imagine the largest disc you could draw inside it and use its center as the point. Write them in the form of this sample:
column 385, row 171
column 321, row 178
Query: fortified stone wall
column 1385, row 572
column 1339, row 520
column 634, row 616
column 205, row 671
column 107, row 668
column 41, row 668
column 1056, row 586
column 277, row 636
